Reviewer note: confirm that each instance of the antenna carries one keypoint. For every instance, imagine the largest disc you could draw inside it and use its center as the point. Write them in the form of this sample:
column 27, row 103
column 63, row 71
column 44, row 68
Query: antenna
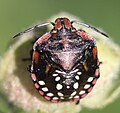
column 32, row 28
column 91, row 27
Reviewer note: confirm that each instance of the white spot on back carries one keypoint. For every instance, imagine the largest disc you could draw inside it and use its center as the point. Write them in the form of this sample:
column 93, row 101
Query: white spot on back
column 41, row 82
column 55, row 98
column 81, row 92
column 68, row 87
column 61, row 72
column 86, row 86
column 45, row 89
column 54, row 75
column 59, row 86
column 50, row 94
column 79, row 73
column 76, row 96
column 60, row 94
column 77, row 77
column 57, row 78
column 73, row 93
column 70, row 97
column 76, row 85
column 62, row 98
column 90, row 79
column 74, row 71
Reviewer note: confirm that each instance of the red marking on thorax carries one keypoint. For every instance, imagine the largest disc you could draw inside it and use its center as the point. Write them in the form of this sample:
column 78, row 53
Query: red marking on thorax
column 84, row 35
column 43, row 38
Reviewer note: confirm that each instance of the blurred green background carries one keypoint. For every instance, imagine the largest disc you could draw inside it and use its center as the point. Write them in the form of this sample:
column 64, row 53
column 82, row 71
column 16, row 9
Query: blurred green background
column 16, row 15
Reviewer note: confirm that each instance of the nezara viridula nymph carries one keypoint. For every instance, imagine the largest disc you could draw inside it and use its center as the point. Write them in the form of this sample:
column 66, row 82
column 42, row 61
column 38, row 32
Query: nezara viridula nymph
column 65, row 65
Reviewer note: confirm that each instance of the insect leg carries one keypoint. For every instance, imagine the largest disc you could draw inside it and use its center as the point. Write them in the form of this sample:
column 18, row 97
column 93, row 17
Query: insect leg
column 77, row 102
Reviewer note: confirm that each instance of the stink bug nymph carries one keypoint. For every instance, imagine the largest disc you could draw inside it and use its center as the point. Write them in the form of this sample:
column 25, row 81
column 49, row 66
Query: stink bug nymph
column 65, row 65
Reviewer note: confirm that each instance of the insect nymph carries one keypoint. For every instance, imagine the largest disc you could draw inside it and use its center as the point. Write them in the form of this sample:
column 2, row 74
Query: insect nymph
column 65, row 65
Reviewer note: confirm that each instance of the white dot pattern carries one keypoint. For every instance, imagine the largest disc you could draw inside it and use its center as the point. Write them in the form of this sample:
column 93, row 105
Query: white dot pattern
column 60, row 94
column 57, row 78
column 81, row 92
column 45, row 89
column 76, row 85
column 55, row 75
column 76, row 96
column 68, row 87
column 79, row 73
column 77, row 77
column 50, row 94
column 41, row 82
column 90, row 79
column 59, row 86
column 73, row 93
column 86, row 86
column 55, row 98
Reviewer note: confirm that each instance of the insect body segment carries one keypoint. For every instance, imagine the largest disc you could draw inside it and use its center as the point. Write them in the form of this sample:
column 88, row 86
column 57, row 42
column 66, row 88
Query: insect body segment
column 65, row 66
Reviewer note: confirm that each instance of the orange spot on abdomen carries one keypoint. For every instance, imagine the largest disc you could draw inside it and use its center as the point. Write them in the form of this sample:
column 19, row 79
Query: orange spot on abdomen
column 35, row 56
column 94, row 52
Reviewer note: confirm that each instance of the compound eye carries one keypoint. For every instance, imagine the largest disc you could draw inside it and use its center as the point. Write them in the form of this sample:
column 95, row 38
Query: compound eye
column 58, row 24
column 67, row 23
